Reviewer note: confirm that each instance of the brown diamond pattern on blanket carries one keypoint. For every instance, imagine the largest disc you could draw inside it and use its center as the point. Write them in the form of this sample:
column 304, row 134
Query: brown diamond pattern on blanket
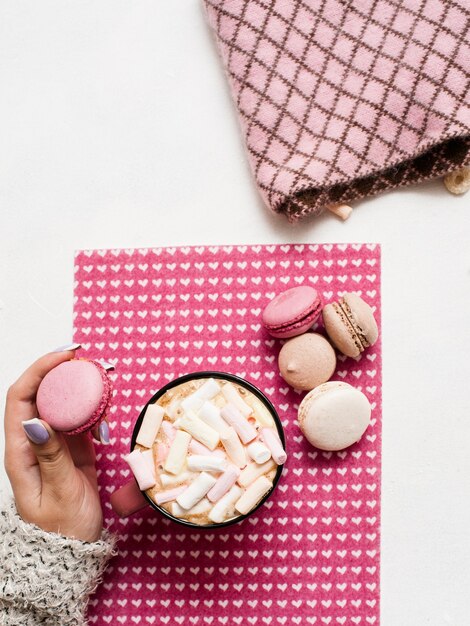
column 343, row 99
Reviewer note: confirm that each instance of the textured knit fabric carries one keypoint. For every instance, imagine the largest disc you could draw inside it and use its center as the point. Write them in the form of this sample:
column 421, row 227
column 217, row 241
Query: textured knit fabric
column 343, row 99
column 46, row 578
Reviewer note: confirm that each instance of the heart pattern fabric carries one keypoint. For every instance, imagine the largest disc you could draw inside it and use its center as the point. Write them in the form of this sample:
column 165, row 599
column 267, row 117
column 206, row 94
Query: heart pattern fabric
column 310, row 555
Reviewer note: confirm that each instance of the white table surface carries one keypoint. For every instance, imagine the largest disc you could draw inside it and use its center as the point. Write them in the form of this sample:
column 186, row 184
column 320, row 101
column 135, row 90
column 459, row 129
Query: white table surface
column 117, row 130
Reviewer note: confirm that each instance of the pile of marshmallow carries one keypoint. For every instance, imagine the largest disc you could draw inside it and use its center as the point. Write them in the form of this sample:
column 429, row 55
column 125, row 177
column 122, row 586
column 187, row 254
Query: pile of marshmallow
column 205, row 453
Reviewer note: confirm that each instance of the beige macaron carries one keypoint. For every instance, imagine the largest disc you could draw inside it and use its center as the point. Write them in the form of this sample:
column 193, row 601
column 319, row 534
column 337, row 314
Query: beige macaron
column 350, row 324
column 334, row 416
column 307, row 361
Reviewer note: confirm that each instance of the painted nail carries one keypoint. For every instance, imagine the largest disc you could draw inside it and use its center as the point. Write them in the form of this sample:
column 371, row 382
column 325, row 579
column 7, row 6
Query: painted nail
column 106, row 364
column 104, row 432
column 35, row 431
column 67, row 347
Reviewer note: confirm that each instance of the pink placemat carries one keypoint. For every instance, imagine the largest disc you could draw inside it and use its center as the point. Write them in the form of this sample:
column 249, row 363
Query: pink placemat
column 310, row 555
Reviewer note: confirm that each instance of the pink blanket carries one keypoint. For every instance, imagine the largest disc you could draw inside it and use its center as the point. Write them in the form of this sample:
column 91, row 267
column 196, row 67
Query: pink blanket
column 310, row 555
column 344, row 99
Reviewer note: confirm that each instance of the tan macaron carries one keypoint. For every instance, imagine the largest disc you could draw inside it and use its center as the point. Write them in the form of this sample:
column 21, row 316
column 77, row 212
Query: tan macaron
column 350, row 324
column 307, row 361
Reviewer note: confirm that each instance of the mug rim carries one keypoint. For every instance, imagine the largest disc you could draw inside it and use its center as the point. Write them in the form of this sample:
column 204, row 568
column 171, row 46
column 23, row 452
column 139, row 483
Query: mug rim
column 231, row 378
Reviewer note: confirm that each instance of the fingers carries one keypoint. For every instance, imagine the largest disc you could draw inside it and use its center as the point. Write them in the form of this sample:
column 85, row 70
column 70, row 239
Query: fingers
column 22, row 394
column 20, row 406
column 83, row 455
column 22, row 463
column 55, row 461
column 101, row 432
column 82, row 449
column 22, row 469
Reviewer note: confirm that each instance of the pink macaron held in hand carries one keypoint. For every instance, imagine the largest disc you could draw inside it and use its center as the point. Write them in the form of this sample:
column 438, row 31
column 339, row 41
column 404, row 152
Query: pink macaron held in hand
column 292, row 312
column 74, row 396
column 53, row 476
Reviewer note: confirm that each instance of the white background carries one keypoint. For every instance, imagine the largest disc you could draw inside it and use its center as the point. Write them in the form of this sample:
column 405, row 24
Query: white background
column 117, row 130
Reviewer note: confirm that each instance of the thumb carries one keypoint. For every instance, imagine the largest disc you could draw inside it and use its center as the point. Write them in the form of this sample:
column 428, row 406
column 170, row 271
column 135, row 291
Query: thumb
column 54, row 458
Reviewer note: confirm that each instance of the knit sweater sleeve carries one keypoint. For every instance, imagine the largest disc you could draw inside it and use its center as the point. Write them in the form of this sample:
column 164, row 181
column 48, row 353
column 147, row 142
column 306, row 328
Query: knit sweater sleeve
column 46, row 579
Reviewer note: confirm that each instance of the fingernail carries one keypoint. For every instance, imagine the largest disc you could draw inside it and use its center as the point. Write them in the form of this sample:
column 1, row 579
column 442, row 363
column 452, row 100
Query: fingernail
column 67, row 347
column 106, row 364
column 104, row 432
column 36, row 431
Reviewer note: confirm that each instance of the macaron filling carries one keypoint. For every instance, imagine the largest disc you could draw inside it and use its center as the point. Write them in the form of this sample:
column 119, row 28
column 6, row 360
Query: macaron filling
column 354, row 324
column 344, row 313
column 300, row 320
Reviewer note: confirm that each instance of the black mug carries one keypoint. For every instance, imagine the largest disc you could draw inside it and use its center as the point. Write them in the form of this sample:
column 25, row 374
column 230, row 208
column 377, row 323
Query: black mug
column 128, row 499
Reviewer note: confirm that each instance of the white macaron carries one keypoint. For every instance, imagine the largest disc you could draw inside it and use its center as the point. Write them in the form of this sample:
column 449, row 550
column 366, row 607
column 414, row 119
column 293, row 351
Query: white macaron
column 334, row 415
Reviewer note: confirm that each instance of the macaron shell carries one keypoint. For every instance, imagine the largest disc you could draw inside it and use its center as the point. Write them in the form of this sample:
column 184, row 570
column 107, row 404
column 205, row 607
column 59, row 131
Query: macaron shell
column 292, row 312
column 334, row 416
column 323, row 388
column 307, row 361
column 362, row 318
column 103, row 408
column 73, row 396
column 340, row 331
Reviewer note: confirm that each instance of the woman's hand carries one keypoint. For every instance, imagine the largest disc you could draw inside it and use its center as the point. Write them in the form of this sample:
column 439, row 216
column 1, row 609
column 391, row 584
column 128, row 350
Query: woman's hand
column 53, row 477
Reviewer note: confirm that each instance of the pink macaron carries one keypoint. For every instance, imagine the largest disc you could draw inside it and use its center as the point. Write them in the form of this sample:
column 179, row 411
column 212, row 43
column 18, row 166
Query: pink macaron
column 74, row 396
column 292, row 312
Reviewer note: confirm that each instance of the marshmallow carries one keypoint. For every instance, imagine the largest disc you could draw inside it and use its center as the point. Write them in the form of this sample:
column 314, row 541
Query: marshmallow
column 254, row 471
column 203, row 506
column 233, row 446
column 259, row 452
column 171, row 409
column 150, row 425
column 169, row 430
column 224, row 483
column 196, row 490
column 218, row 452
column 209, row 389
column 169, row 480
column 205, row 392
column 233, row 397
column 199, row 430
column 244, row 429
column 162, row 452
column 253, row 495
column 192, row 403
column 272, row 441
column 210, row 414
column 169, row 495
column 261, row 412
column 197, row 448
column 143, row 468
column 178, row 453
column 205, row 463
column 224, row 506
